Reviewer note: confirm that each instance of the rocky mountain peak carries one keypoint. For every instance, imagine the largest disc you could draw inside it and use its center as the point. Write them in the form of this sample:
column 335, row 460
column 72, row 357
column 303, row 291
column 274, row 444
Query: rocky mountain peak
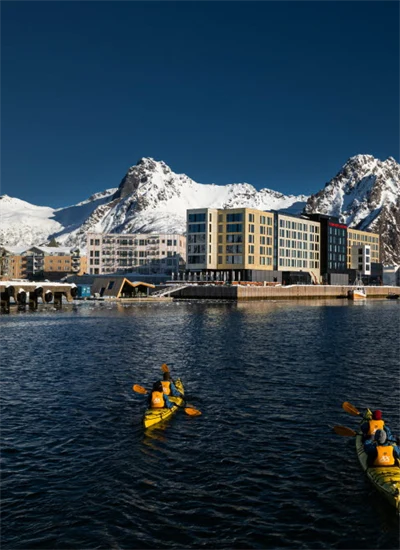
column 365, row 195
column 140, row 176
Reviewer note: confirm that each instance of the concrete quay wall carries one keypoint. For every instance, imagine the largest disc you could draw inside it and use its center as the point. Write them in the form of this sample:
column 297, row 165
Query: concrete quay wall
column 292, row 292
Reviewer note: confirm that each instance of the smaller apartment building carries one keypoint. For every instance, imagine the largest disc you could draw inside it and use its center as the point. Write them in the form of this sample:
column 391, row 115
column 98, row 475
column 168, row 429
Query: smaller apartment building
column 362, row 250
column 42, row 262
column 136, row 252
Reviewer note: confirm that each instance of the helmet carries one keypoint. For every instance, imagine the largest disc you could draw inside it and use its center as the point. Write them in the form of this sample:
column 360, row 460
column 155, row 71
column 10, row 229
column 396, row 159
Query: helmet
column 377, row 415
column 157, row 386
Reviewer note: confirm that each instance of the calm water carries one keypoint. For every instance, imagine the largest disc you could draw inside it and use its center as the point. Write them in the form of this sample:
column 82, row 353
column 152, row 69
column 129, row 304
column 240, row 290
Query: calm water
column 261, row 468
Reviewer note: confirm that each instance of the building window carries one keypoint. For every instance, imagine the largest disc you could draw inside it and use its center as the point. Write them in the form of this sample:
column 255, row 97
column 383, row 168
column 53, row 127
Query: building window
column 234, row 228
column 238, row 217
column 199, row 217
column 197, row 228
column 234, row 259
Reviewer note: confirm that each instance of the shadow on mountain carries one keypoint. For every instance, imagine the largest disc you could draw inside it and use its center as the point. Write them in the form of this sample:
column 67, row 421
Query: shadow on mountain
column 72, row 217
column 295, row 208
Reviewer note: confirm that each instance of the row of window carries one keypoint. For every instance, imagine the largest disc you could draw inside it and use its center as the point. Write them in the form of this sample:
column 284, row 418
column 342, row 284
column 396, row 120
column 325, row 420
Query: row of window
column 126, row 253
column 299, row 226
column 297, row 235
column 297, row 254
column 359, row 239
column 284, row 262
column 134, row 242
column 298, row 244
column 133, row 262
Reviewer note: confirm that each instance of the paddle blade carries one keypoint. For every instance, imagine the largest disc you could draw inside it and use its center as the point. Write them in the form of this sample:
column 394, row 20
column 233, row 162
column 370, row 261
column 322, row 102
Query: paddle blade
column 342, row 430
column 192, row 412
column 348, row 407
column 139, row 389
column 164, row 367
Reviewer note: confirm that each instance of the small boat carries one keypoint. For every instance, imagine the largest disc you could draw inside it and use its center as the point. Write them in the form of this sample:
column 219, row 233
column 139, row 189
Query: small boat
column 393, row 296
column 358, row 293
column 385, row 479
column 154, row 416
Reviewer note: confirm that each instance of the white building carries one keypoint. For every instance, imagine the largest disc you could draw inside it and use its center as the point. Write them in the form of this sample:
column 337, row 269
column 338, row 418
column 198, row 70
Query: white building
column 147, row 253
column 361, row 258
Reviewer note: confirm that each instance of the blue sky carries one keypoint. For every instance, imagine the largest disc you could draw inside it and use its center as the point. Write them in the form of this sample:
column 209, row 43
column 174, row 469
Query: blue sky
column 277, row 94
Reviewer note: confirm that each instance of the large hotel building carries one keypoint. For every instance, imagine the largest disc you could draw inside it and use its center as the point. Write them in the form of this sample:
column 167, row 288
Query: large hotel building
column 246, row 244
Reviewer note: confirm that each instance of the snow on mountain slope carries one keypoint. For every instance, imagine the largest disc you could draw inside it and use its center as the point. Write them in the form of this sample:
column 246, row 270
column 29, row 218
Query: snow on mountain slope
column 22, row 223
column 152, row 198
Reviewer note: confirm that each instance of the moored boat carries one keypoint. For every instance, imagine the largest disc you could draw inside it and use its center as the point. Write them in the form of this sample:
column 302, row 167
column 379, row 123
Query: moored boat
column 385, row 479
column 358, row 293
column 154, row 416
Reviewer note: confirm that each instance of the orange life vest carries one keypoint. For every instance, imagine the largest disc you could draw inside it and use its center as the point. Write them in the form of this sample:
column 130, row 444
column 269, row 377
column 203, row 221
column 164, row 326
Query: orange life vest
column 166, row 384
column 157, row 400
column 385, row 456
column 375, row 425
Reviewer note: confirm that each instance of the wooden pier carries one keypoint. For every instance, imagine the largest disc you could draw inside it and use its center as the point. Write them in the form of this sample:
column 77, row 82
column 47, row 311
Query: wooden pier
column 24, row 293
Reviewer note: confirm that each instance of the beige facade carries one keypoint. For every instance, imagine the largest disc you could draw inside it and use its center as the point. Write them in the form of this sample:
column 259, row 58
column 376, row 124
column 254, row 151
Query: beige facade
column 298, row 245
column 46, row 261
column 245, row 239
column 141, row 252
column 234, row 239
column 247, row 242
column 365, row 240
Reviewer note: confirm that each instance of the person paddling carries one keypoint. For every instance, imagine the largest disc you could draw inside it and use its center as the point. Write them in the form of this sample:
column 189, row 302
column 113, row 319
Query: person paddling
column 169, row 387
column 371, row 425
column 158, row 399
column 380, row 451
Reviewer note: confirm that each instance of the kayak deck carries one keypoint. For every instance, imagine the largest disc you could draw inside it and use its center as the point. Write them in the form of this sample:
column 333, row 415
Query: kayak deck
column 154, row 416
column 385, row 479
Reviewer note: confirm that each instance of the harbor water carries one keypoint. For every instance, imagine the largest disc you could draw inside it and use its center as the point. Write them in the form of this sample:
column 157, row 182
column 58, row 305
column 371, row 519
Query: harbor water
column 260, row 468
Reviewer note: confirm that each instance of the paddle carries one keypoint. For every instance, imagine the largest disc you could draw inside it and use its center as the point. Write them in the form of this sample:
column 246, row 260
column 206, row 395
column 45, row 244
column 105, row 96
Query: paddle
column 342, row 430
column 191, row 411
column 164, row 367
column 351, row 409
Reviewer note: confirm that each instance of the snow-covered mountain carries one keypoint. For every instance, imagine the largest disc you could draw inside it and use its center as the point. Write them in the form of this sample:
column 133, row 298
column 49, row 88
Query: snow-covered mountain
column 365, row 195
column 150, row 198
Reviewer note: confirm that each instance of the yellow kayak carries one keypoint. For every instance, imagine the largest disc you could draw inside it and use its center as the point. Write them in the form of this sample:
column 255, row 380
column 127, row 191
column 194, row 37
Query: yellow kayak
column 385, row 479
column 153, row 416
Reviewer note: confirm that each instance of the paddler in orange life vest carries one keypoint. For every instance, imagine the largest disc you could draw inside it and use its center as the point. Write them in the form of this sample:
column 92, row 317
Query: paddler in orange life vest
column 158, row 399
column 369, row 426
column 380, row 451
column 169, row 387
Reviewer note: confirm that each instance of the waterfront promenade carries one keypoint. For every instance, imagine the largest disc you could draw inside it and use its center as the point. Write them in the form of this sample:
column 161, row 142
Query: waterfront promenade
column 289, row 292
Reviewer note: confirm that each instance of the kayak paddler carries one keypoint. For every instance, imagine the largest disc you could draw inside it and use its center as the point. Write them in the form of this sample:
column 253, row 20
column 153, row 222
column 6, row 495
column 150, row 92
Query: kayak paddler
column 169, row 386
column 158, row 399
column 380, row 451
